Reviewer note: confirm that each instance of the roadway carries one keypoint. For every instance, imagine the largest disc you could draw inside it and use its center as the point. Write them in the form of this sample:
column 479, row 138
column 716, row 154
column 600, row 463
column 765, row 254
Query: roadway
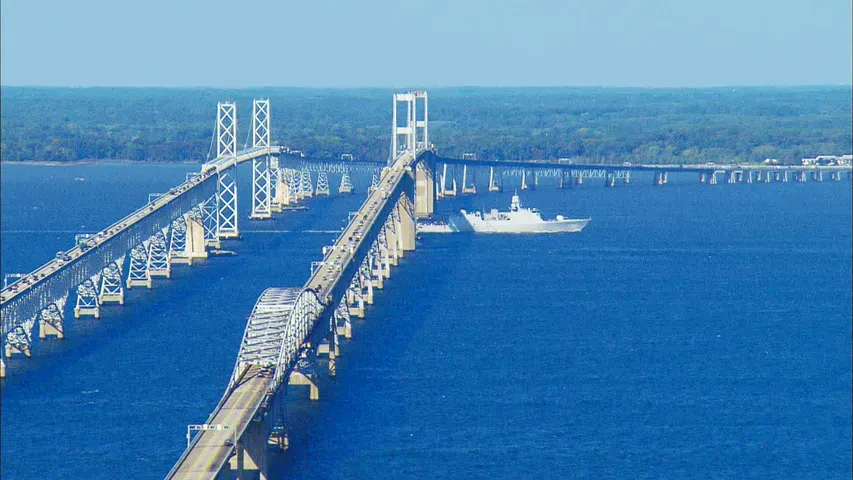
column 64, row 259
column 78, row 251
column 207, row 454
column 698, row 168
column 211, row 449
column 325, row 279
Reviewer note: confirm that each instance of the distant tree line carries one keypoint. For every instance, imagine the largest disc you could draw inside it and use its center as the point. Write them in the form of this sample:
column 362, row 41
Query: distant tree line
column 592, row 124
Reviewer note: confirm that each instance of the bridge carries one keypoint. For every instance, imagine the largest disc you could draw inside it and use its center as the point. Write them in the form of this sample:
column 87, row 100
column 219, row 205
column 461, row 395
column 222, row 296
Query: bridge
column 175, row 227
column 569, row 172
column 289, row 327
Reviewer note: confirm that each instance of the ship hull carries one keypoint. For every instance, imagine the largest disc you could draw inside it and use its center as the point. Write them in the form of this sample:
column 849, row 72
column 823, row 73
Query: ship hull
column 471, row 223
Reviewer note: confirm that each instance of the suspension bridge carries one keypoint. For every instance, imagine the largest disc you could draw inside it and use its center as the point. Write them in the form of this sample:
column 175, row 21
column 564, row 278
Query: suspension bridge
column 289, row 328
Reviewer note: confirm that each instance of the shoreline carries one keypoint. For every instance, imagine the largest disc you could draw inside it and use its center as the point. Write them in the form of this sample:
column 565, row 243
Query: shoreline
column 46, row 163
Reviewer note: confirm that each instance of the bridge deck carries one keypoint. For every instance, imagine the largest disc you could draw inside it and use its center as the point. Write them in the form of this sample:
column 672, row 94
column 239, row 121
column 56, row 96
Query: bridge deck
column 210, row 450
column 327, row 277
column 638, row 167
column 207, row 454
column 108, row 244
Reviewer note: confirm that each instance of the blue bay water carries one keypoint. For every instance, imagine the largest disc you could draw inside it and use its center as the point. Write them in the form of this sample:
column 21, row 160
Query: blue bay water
column 691, row 331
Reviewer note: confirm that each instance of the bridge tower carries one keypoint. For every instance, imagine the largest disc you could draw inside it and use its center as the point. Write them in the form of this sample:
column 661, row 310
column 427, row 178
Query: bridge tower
column 403, row 137
column 411, row 136
column 261, row 181
column 226, row 146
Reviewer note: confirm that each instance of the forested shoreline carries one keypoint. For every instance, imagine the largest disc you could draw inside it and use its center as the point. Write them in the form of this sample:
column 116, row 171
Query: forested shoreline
column 602, row 125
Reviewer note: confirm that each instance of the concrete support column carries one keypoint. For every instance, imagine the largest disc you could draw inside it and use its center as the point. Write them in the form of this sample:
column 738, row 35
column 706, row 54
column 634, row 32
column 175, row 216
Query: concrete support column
column 407, row 230
column 391, row 242
column 494, row 186
column 425, row 189
column 195, row 247
column 255, row 449
column 299, row 378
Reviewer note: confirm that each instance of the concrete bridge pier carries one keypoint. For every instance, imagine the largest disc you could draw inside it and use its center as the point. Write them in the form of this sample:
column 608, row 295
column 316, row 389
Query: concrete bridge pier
column 425, row 189
column 524, row 180
column 391, row 242
column 610, row 179
column 377, row 275
column 579, row 179
column 194, row 247
column 355, row 299
column 297, row 377
column 282, row 191
column 702, row 177
column 251, row 457
column 627, row 178
column 495, row 182
column 366, row 288
column 802, row 176
column 406, row 225
column 835, row 176
column 712, row 178
column 730, row 177
column 329, row 345
column 562, row 178
column 472, row 190
column 344, row 326
column 767, row 177
column 747, row 176
column 661, row 178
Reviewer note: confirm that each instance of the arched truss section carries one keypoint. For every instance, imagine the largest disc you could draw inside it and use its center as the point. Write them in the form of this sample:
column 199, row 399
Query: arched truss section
column 300, row 323
column 278, row 327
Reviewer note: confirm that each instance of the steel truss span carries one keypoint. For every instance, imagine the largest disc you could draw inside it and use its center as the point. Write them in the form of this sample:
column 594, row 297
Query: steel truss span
column 172, row 227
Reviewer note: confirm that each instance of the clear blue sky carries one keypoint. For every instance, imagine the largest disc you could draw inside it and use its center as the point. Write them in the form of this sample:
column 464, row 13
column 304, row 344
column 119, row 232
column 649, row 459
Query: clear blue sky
column 318, row 43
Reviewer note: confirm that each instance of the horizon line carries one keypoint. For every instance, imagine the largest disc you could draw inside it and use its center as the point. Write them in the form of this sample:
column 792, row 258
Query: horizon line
column 439, row 87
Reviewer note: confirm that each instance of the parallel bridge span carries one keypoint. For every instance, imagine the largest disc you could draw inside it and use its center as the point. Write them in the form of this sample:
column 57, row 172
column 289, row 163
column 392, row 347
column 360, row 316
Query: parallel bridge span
column 288, row 326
